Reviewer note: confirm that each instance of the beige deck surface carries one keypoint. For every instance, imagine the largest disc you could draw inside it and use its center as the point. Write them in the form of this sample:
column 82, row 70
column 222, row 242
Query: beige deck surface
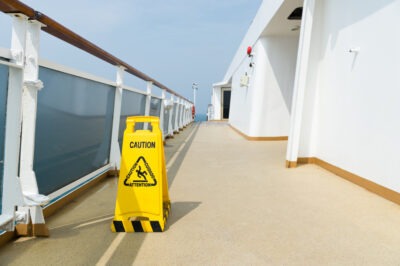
column 233, row 203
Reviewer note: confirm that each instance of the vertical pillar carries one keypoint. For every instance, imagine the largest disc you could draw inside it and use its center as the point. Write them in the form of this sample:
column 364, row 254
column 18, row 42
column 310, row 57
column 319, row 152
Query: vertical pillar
column 31, row 86
column 186, row 114
column 12, row 192
column 300, row 84
column 163, row 92
column 180, row 113
column 115, row 153
column 189, row 112
column 176, row 127
column 148, row 102
column 171, row 114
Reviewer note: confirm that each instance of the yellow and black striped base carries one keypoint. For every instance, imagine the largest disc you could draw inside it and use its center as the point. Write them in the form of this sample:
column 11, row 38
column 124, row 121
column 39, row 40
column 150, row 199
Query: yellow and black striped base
column 142, row 226
column 137, row 226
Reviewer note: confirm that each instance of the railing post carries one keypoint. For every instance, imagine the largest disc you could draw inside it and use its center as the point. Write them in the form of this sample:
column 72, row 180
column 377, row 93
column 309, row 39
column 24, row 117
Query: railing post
column 31, row 86
column 180, row 113
column 163, row 92
column 115, row 153
column 171, row 114
column 148, row 102
column 12, row 192
column 185, row 114
column 175, row 122
column 190, row 113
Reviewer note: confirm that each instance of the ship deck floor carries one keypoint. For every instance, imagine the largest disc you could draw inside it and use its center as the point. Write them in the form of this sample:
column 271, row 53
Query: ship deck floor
column 233, row 203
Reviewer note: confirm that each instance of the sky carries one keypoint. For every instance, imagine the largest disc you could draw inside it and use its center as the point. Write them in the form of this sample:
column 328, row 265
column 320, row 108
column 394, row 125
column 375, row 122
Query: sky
column 176, row 42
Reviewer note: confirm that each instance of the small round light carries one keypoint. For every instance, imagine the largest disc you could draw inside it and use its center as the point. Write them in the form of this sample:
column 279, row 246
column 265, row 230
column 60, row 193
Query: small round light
column 249, row 50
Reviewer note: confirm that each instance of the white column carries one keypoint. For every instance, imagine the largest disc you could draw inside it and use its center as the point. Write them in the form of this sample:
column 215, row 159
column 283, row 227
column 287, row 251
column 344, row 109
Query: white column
column 163, row 92
column 12, row 193
column 181, row 114
column 176, row 126
column 170, row 131
column 300, row 83
column 115, row 152
column 186, row 113
column 148, row 102
column 31, row 86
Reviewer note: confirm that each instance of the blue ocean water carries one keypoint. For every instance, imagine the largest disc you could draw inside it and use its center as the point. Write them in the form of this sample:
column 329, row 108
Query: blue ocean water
column 200, row 117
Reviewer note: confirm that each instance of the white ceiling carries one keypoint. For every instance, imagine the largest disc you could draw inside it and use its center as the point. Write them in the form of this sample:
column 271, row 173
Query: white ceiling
column 279, row 24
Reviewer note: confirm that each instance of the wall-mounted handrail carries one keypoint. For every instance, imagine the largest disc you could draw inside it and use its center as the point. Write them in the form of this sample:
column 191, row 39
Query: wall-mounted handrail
column 59, row 31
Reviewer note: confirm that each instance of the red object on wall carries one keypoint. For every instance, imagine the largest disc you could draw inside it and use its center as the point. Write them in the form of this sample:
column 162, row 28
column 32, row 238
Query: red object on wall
column 249, row 50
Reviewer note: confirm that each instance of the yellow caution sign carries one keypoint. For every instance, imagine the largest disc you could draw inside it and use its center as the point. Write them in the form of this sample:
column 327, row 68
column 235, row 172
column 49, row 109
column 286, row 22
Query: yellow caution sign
column 142, row 203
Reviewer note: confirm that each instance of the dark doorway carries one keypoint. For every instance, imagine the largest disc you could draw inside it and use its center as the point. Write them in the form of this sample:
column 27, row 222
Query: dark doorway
column 226, row 103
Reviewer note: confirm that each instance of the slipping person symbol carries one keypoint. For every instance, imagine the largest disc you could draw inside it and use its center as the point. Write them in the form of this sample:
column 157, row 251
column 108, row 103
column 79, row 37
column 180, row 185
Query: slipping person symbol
column 141, row 174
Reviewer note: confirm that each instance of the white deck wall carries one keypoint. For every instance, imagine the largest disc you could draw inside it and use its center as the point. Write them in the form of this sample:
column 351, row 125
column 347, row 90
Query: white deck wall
column 216, row 103
column 351, row 107
column 263, row 108
column 241, row 99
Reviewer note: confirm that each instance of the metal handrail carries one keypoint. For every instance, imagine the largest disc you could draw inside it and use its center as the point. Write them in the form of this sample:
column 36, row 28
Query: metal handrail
column 59, row 31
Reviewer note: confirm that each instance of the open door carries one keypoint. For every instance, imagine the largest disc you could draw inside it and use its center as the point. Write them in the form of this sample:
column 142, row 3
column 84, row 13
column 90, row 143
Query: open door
column 226, row 103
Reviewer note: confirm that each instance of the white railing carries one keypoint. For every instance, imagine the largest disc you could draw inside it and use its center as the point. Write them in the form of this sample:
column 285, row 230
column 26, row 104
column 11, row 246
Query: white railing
column 21, row 187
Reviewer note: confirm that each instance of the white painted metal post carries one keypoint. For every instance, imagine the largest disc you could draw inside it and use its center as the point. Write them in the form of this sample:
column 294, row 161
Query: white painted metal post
column 300, row 83
column 170, row 131
column 115, row 152
column 185, row 121
column 188, row 113
column 180, row 113
column 176, row 127
column 12, row 193
column 31, row 86
column 163, row 92
column 184, row 114
column 148, row 102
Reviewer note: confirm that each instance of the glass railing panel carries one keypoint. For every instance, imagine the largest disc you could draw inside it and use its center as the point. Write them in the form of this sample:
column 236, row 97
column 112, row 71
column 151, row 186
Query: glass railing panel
column 3, row 102
column 166, row 120
column 133, row 104
column 73, row 128
column 155, row 107
column 175, row 108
